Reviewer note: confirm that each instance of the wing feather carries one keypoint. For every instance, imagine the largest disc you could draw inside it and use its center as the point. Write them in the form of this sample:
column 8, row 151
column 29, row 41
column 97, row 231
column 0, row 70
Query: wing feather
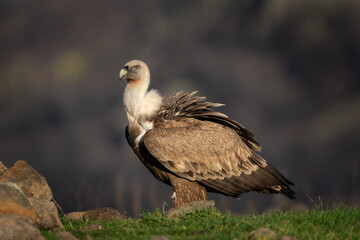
column 215, row 156
column 188, row 105
column 200, row 150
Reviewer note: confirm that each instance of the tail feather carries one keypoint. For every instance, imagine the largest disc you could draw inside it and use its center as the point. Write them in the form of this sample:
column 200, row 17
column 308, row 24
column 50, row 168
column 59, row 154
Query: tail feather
column 266, row 180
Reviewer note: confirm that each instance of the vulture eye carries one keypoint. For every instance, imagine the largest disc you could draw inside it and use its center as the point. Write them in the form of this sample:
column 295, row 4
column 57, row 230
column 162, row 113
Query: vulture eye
column 136, row 67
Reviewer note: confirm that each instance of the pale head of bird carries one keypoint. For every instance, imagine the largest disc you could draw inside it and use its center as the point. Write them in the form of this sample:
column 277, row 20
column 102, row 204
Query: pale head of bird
column 136, row 99
column 135, row 72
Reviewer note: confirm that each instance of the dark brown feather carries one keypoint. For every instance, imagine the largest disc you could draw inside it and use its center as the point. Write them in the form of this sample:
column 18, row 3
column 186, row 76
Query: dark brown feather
column 187, row 105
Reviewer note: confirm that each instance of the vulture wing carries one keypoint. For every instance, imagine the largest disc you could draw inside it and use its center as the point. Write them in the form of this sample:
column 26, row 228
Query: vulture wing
column 213, row 155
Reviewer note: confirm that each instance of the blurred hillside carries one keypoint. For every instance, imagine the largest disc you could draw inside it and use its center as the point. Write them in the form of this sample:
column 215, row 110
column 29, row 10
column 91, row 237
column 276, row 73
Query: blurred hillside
column 288, row 71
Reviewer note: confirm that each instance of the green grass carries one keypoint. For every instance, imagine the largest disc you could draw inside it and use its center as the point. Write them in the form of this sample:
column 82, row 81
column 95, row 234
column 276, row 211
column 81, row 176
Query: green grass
column 339, row 223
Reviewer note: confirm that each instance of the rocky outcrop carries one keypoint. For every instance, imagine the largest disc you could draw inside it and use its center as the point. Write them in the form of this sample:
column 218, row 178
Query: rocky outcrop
column 75, row 215
column 64, row 235
column 26, row 204
column 25, row 192
column 104, row 214
column 46, row 214
column 28, row 179
column 18, row 227
column 14, row 201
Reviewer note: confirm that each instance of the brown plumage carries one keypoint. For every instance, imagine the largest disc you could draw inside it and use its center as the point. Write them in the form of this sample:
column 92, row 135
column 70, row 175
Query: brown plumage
column 186, row 144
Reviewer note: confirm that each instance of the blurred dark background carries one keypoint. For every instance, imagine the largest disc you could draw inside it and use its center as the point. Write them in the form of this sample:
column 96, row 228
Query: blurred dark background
column 288, row 70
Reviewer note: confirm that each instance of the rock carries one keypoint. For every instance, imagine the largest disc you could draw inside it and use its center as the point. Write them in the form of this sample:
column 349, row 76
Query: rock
column 10, row 192
column 64, row 235
column 28, row 179
column 188, row 208
column 263, row 233
column 14, row 201
column 287, row 238
column 75, row 215
column 2, row 168
column 92, row 227
column 18, row 227
column 160, row 237
column 24, row 191
column 104, row 214
column 47, row 216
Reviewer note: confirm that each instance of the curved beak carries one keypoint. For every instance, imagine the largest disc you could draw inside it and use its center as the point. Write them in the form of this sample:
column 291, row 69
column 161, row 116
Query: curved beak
column 123, row 73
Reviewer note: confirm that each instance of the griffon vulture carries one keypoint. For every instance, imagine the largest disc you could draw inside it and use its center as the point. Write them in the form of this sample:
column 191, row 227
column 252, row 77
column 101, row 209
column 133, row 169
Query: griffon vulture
column 191, row 147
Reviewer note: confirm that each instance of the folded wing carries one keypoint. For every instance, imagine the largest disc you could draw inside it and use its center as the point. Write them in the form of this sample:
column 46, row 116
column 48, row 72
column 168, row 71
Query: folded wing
column 213, row 155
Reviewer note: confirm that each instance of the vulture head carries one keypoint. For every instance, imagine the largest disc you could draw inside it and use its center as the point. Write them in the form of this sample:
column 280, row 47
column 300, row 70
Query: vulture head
column 135, row 72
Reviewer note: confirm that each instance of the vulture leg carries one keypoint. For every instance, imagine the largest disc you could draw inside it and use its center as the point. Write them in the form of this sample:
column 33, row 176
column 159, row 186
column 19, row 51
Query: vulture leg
column 186, row 191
